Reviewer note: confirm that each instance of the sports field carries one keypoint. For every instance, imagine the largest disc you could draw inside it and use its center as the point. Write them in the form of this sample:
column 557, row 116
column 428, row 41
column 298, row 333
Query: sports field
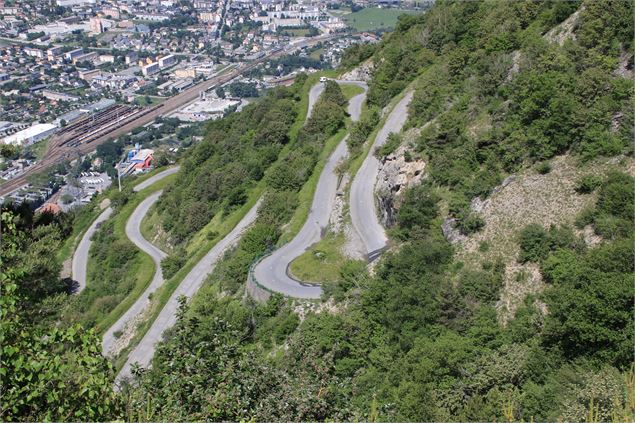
column 371, row 19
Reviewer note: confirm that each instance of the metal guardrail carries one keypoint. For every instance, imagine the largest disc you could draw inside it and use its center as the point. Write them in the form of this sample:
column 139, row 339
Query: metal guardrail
column 251, row 277
column 250, row 274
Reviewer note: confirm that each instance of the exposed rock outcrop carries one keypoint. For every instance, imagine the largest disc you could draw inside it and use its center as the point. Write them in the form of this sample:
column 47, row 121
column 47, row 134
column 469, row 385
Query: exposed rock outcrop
column 565, row 30
column 625, row 65
column 451, row 232
column 361, row 73
column 398, row 171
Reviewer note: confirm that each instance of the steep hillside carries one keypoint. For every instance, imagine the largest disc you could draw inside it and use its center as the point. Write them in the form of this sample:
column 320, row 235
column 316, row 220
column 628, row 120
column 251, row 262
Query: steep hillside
column 514, row 132
column 506, row 293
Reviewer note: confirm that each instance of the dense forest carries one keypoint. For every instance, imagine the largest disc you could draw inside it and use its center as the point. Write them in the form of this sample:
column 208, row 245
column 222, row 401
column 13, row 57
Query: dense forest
column 418, row 338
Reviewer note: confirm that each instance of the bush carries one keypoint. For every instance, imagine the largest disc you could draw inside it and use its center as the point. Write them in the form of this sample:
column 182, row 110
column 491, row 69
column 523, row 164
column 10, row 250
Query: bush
column 471, row 223
column 588, row 183
column 543, row 168
column 536, row 242
column 617, row 196
column 173, row 263
column 389, row 147
column 418, row 209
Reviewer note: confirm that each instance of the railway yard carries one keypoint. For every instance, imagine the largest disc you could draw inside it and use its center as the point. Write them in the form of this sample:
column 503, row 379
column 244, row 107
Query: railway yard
column 83, row 137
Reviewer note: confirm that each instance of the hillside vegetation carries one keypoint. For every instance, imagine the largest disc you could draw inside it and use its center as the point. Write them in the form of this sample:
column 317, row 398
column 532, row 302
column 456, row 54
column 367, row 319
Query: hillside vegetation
column 420, row 338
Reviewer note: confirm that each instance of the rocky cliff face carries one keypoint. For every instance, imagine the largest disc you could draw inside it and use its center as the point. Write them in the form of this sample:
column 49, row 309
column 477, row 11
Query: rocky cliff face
column 397, row 172
column 361, row 73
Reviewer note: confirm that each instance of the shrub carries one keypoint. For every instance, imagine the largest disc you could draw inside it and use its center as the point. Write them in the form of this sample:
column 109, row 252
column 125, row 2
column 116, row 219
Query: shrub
column 173, row 263
column 617, row 196
column 418, row 210
column 534, row 243
column 588, row 184
column 471, row 223
column 543, row 168
column 391, row 144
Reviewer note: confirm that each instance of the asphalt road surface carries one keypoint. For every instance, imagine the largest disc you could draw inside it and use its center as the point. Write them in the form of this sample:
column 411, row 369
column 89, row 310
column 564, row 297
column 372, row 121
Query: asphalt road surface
column 133, row 232
column 314, row 94
column 156, row 178
column 144, row 351
column 80, row 258
column 272, row 272
column 362, row 200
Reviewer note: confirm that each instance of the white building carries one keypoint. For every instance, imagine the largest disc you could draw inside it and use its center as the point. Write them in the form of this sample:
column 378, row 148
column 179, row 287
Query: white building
column 70, row 55
column 30, row 135
column 150, row 69
column 167, row 61
column 68, row 3
column 153, row 17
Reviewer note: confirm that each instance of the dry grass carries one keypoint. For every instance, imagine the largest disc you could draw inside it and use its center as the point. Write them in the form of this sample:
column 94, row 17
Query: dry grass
column 531, row 198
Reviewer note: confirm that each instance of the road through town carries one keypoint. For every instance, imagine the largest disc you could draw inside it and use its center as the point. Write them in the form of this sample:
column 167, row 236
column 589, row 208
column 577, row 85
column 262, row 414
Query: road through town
column 362, row 200
column 272, row 271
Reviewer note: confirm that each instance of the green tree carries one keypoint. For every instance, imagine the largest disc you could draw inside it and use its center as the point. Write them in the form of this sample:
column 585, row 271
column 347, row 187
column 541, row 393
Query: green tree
column 47, row 373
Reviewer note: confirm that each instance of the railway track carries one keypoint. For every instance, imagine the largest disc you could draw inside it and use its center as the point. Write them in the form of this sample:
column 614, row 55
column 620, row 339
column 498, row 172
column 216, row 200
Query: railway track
column 82, row 137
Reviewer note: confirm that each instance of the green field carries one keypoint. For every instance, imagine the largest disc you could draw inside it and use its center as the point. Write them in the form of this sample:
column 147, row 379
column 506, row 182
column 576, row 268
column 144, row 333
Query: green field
column 374, row 18
column 297, row 32
column 322, row 262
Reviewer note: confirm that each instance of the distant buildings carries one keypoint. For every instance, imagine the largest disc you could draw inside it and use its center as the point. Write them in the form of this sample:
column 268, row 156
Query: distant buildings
column 57, row 96
column 150, row 69
column 131, row 57
column 30, row 135
column 69, row 3
column 167, row 61
column 98, row 106
column 70, row 55
column 88, row 57
column 96, row 26
column 185, row 73
column 137, row 160
column 53, row 53
column 89, row 74
column 151, row 17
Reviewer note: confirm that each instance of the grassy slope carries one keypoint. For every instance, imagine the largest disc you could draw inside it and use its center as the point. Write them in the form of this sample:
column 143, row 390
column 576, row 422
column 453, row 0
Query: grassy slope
column 322, row 262
column 201, row 243
column 80, row 225
column 143, row 268
column 350, row 90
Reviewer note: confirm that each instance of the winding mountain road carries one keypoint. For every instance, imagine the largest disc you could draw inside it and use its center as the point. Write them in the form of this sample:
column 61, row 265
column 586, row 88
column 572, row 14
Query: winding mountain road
column 156, row 178
column 272, row 271
column 133, row 232
column 142, row 354
column 362, row 200
column 144, row 351
column 314, row 94
column 79, row 264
